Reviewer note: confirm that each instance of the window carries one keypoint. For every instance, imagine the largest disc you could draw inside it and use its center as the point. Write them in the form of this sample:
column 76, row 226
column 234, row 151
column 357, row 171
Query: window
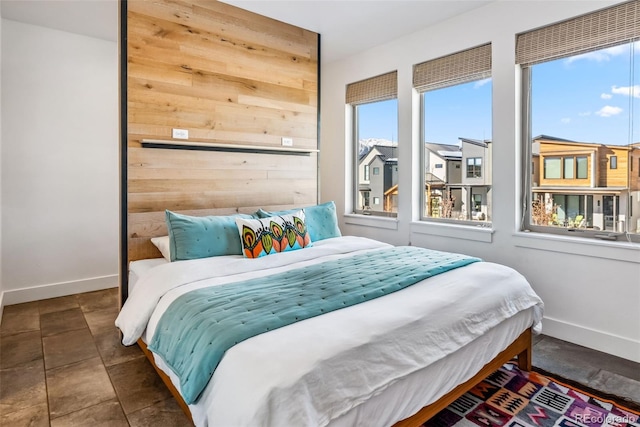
column 568, row 167
column 581, row 105
column 477, row 202
column 563, row 167
column 582, row 163
column 552, row 167
column 474, row 167
column 375, row 124
column 456, row 120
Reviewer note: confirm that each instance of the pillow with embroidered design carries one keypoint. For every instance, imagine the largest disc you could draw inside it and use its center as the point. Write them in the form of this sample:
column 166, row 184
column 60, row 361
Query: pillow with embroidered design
column 275, row 234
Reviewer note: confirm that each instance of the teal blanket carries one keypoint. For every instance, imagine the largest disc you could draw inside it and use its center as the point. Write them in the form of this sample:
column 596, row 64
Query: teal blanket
column 200, row 326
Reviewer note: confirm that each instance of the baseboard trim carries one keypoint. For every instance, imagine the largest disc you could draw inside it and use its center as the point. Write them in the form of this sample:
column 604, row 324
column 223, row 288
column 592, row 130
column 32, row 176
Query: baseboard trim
column 591, row 338
column 54, row 290
column 1, row 305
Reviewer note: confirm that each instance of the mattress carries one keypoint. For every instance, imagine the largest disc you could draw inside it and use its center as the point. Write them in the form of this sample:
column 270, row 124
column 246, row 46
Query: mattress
column 338, row 368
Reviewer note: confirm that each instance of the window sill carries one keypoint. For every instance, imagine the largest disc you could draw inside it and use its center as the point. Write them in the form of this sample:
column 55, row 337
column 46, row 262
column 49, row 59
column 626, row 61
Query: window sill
column 456, row 231
column 619, row 251
column 371, row 221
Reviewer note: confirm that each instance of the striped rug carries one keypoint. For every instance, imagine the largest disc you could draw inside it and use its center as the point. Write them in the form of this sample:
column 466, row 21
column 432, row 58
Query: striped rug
column 513, row 398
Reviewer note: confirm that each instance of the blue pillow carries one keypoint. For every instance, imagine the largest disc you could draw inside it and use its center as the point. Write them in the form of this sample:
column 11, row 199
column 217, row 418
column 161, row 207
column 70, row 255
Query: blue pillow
column 321, row 220
column 192, row 237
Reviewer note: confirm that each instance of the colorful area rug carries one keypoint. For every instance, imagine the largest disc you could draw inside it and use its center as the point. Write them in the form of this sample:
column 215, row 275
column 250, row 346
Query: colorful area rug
column 513, row 398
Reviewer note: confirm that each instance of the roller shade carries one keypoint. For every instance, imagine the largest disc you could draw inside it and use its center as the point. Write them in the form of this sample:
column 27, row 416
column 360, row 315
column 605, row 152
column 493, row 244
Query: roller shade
column 586, row 33
column 379, row 88
column 462, row 67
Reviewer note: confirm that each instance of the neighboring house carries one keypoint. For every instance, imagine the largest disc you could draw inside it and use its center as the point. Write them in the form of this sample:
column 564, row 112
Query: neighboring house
column 476, row 177
column 461, row 172
column 587, row 184
column 442, row 163
column 634, row 187
column 378, row 179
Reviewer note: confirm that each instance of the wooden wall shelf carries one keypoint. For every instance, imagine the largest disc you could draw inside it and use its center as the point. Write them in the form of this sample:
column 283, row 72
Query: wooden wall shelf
column 238, row 148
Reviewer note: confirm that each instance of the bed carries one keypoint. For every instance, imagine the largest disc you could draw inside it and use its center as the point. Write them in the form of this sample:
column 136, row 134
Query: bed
column 394, row 359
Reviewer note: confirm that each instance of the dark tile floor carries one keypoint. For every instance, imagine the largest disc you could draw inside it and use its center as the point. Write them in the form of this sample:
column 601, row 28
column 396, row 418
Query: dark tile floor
column 61, row 364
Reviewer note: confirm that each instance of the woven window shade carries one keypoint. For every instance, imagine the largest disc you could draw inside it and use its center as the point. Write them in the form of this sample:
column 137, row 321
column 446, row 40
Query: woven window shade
column 462, row 67
column 380, row 88
column 597, row 30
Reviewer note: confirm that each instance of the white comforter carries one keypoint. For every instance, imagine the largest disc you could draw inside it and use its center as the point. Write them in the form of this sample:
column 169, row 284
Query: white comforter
column 314, row 371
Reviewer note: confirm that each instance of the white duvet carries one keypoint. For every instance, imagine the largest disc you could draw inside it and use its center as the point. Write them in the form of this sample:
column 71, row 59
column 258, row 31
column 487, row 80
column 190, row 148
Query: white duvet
column 317, row 370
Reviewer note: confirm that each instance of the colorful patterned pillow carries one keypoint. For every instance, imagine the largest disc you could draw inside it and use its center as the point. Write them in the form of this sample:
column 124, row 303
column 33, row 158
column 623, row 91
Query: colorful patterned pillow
column 271, row 235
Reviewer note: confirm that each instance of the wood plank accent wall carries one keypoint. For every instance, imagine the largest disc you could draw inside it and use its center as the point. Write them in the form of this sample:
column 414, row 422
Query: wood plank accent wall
column 228, row 76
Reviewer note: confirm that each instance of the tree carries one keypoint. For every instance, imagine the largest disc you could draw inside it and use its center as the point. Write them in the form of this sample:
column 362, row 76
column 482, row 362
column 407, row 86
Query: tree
column 446, row 204
column 541, row 214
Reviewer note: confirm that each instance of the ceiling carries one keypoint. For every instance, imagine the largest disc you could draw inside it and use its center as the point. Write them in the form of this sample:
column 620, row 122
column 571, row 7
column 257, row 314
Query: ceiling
column 346, row 26
column 93, row 18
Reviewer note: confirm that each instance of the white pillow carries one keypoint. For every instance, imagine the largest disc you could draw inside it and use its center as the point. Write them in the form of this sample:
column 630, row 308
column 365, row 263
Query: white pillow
column 163, row 245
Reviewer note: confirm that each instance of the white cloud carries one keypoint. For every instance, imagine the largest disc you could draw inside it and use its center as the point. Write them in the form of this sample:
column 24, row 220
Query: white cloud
column 481, row 83
column 599, row 55
column 627, row 90
column 608, row 111
column 606, row 96
column 586, row 113
column 566, row 120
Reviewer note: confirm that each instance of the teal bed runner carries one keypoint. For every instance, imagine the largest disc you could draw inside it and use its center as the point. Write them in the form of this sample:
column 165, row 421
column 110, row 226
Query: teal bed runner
column 201, row 325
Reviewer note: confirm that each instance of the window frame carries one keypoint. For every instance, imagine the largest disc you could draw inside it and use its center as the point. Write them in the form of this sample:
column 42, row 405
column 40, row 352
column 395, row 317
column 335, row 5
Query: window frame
column 526, row 180
column 566, row 161
column 472, row 64
column 475, row 167
column 560, row 161
column 367, row 210
column 584, row 175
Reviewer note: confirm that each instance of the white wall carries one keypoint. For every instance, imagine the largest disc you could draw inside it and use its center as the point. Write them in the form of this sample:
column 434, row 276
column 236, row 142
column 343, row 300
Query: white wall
column 59, row 163
column 1, row 288
column 591, row 289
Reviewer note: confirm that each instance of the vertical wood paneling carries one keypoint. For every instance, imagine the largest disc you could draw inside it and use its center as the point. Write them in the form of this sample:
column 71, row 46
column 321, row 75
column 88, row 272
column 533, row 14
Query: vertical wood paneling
column 227, row 76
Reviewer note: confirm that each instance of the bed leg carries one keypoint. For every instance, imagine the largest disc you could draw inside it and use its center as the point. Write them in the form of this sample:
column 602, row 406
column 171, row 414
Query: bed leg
column 524, row 357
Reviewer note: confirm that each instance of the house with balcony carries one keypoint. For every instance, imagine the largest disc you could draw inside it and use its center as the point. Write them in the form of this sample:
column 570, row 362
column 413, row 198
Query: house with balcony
column 586, row 184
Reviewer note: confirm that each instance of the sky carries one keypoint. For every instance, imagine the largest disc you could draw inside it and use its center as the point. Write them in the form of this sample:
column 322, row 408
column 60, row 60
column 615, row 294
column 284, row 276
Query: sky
column 593, row 97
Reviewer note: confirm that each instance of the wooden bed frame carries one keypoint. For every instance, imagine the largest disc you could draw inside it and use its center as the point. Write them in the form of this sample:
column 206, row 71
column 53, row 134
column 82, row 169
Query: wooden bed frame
column 520, row 348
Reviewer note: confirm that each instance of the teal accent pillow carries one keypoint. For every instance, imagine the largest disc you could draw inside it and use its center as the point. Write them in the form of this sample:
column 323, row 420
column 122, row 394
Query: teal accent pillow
column 278, row 233
column 192, row 237
column 321, row 220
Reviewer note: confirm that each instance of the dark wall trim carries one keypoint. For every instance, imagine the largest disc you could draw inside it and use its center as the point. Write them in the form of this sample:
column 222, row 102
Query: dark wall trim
column 229, row 148
column 124, row 249
column 318, row 197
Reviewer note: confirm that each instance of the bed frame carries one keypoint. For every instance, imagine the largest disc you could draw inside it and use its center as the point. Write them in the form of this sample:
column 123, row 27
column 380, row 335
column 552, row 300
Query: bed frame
column 521, row 348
